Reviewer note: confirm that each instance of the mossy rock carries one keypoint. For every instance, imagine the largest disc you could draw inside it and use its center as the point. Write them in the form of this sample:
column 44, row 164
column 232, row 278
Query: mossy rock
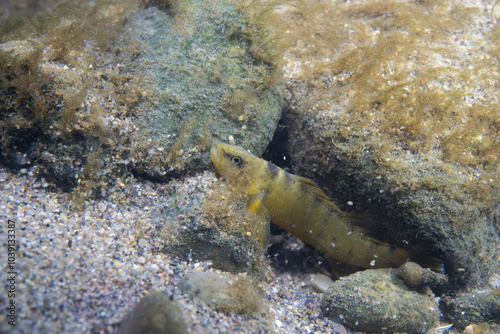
column 388, row 115
column 205, row 221
column 473, row 308
column 93, row 91
column 157, row 313
column 205, row 78
column 54, row 70
column 223, row 292
column 378, row 301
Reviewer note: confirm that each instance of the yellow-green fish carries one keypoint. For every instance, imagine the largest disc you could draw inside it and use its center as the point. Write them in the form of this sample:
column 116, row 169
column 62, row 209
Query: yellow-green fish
column 299, row 206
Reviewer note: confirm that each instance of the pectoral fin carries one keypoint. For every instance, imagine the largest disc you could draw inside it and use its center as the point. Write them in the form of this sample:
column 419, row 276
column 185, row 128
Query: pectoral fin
column 255, row 205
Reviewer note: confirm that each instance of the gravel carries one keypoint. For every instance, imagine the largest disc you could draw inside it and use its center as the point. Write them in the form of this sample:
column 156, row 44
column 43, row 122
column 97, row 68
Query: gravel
column 83, row 270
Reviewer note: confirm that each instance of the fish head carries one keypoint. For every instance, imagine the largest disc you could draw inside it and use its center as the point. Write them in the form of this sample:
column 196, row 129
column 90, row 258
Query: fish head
column 237, row 165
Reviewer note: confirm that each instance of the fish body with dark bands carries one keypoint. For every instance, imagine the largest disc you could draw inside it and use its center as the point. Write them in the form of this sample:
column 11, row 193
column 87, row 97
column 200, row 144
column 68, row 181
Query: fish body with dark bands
column 299, row 206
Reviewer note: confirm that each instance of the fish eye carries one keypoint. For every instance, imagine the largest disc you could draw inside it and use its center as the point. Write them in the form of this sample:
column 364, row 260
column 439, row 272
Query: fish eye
column 236, row 160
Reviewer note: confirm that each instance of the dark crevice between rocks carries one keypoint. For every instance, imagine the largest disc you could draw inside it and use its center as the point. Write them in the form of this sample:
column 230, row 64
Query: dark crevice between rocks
column 287, row 254
column 277, row 150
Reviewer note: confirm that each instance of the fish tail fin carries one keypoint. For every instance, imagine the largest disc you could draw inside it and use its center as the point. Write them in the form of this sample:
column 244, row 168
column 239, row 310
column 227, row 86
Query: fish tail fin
column 366, row 224
column 427, row 261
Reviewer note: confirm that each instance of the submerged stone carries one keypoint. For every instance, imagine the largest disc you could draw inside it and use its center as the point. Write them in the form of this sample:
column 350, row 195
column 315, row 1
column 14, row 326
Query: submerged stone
column 473, row 308
column 157, row 313
column 203, row 220
column 320, row 283
column 222, row 291
column 417, row 277
column 379, row 301
column 392, row 107
column 205, row 82
column 98, row 90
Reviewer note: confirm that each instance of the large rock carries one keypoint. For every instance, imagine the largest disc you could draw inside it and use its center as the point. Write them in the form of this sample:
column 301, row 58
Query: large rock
column 393, row 107
column 475, row 307
column 206, row 80
column 115, row 88
column 378, row 301
column 64, row 107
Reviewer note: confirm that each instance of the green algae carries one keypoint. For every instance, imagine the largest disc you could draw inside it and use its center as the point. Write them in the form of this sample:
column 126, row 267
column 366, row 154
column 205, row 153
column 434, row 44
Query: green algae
column 83, row 109
column 206, row 221
column 389, row 112
column 414, row 108
column 51, row 78
column 477, row 307
column 378, row 301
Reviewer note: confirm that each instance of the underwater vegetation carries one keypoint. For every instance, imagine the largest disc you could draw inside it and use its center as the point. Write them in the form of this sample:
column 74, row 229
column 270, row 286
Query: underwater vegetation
column 401, row 75
column 394, row 107
column 205, row 221
column 77, row 107
column 59, row 93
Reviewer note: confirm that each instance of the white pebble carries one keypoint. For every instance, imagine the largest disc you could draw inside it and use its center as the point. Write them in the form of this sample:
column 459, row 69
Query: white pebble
column 101, row 206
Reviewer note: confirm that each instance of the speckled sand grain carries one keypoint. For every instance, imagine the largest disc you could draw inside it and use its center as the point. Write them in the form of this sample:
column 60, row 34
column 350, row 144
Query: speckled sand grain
column 83, row 271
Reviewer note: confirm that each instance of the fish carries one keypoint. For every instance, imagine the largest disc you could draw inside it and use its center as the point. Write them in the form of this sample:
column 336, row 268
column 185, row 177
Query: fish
column 299, row 206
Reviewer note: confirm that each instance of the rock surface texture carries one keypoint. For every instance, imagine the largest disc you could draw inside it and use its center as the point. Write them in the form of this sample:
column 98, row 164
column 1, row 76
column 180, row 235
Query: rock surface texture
column 377, row 300
column 394, row 107
column 207, row 83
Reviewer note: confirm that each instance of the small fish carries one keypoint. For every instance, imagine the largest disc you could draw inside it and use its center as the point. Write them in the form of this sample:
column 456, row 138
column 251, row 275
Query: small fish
column 299, row 206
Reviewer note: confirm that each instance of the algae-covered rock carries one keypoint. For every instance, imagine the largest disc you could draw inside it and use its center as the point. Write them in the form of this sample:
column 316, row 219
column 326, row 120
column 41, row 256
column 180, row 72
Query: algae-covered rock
column 63, row 107
column 204, row 220
column 393, row 107
column 207, row 79
column 379, row 301
column 156, row 313
column 473, row 308
column 92, row 91
column 223, row 292
column 488, row 328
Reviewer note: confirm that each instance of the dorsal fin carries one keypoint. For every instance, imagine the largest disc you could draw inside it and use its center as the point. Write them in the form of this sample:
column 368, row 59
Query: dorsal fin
column 312, row 187
column 357, row 221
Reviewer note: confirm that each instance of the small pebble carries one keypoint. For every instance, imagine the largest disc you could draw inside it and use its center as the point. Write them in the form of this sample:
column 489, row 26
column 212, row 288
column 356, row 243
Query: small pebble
column 157, row 313
column 101, row 206
column 320, row 283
